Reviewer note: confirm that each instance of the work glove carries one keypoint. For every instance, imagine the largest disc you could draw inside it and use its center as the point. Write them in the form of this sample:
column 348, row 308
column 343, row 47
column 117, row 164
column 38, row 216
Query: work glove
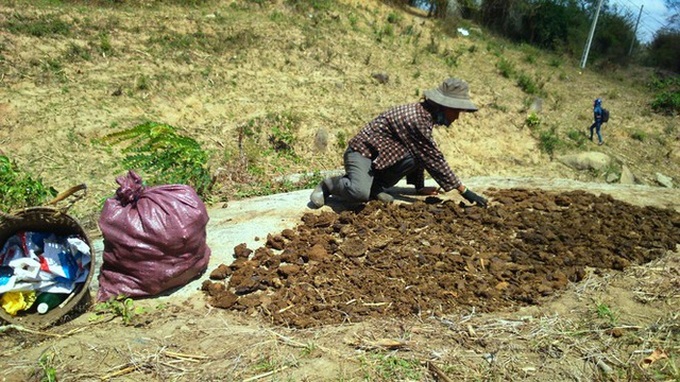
column 474, row 198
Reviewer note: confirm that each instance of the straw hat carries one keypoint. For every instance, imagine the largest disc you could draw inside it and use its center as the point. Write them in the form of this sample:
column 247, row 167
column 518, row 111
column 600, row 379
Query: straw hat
column 452, row 93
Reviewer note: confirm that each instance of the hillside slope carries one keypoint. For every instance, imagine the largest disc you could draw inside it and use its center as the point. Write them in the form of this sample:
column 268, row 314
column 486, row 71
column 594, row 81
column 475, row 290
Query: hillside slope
column 72, row 73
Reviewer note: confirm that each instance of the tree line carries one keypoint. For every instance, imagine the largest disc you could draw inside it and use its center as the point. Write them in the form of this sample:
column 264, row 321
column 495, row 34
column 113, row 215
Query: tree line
column 563, row 26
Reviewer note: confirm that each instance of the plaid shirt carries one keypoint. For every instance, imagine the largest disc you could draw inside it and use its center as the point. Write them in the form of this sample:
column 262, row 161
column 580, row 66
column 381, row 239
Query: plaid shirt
column 400, row 131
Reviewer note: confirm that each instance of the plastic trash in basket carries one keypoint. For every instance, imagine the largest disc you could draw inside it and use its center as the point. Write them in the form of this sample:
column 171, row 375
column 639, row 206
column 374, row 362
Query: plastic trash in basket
column 58, row 223
column 44, row 262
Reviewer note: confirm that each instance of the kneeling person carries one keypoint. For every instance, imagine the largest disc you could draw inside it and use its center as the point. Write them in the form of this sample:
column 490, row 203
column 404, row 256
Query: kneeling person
column 398, row 143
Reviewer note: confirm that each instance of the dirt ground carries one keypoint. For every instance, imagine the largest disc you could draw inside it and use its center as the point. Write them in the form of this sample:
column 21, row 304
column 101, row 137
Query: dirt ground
column 542, row 285
column 434, row 258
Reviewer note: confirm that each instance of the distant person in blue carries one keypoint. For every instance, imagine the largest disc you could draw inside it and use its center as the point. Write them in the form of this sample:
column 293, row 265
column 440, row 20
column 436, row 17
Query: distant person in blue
column 597, row 115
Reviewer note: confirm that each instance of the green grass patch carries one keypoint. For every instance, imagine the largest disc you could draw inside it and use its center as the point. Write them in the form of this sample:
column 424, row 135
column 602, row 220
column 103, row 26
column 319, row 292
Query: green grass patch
column 43, row 26
column 120, row 306
column 451, row 58
column 395, row 18
column 527, row 84
column 506, row 68
column 603, row 311
column 549, row 141
column 578, row 137
column 555, row 62
column 77, row 52
column 105, row 46
column 265, row 152
column 353, row 20
column 272, row 133
column 341, row 139
column 48, row 370
column 433, row 47
column 639, row 135
column 310, row 5
column 388, row 367
column 19, row 189
column 533, row 121
column 181, row 44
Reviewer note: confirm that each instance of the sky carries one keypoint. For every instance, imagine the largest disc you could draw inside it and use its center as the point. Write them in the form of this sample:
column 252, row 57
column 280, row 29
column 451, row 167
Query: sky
column 654, row 15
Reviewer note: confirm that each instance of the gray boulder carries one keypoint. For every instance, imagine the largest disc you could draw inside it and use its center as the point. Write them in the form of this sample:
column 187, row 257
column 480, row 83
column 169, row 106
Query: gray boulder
column 664, row 180
column 591, row 160
column 627, row 176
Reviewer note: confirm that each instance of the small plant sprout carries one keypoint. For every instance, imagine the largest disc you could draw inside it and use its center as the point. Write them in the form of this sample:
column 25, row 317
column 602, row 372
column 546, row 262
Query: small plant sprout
column 120, row 306
column 603, row 311
column 532, row 121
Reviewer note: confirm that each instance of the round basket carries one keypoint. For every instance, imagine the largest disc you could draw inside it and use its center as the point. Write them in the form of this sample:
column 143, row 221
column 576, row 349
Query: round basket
column 47, row 219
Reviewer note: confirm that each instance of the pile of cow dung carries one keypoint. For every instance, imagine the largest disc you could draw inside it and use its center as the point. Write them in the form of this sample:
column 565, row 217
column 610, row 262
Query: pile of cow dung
column 436, row 257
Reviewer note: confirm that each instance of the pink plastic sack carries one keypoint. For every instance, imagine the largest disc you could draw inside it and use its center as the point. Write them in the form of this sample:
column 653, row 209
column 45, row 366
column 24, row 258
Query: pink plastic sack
column 154, row 239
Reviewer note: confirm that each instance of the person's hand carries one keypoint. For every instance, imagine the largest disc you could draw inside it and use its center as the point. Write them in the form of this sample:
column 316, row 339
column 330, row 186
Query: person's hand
column 428, row 191
column 474, row 198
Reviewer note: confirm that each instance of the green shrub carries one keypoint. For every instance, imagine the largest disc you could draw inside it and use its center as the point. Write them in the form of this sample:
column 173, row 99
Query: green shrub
column 532, row 121
column 639, row 135
column 164, row 155
column 667, row 102
column 394, row 18
column 105, row 44
column 506, row 68
column 19, row 189
column 555, row 62
column 76, row 52
column 527, row 84
column 549, row 141
column 577, row 136
column 667, row 98
column 451, row 58
column 341, row 138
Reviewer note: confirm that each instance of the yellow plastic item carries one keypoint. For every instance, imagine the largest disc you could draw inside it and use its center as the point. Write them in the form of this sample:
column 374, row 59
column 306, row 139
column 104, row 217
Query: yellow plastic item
column 13, row 302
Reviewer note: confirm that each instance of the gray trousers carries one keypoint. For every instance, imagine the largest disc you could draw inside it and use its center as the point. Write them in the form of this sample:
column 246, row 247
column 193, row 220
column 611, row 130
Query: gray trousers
column 361, row 182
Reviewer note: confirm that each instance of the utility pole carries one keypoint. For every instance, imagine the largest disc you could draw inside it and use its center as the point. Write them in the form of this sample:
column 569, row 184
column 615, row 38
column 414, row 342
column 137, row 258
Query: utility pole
column 630, row 51
column 590, row 36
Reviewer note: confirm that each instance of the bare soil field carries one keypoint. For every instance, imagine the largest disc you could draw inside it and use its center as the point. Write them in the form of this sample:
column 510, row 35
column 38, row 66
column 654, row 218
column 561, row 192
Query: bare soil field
column 560, row 285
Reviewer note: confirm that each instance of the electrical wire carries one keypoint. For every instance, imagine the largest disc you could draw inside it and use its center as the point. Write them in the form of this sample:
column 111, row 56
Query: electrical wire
column 644, row 25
